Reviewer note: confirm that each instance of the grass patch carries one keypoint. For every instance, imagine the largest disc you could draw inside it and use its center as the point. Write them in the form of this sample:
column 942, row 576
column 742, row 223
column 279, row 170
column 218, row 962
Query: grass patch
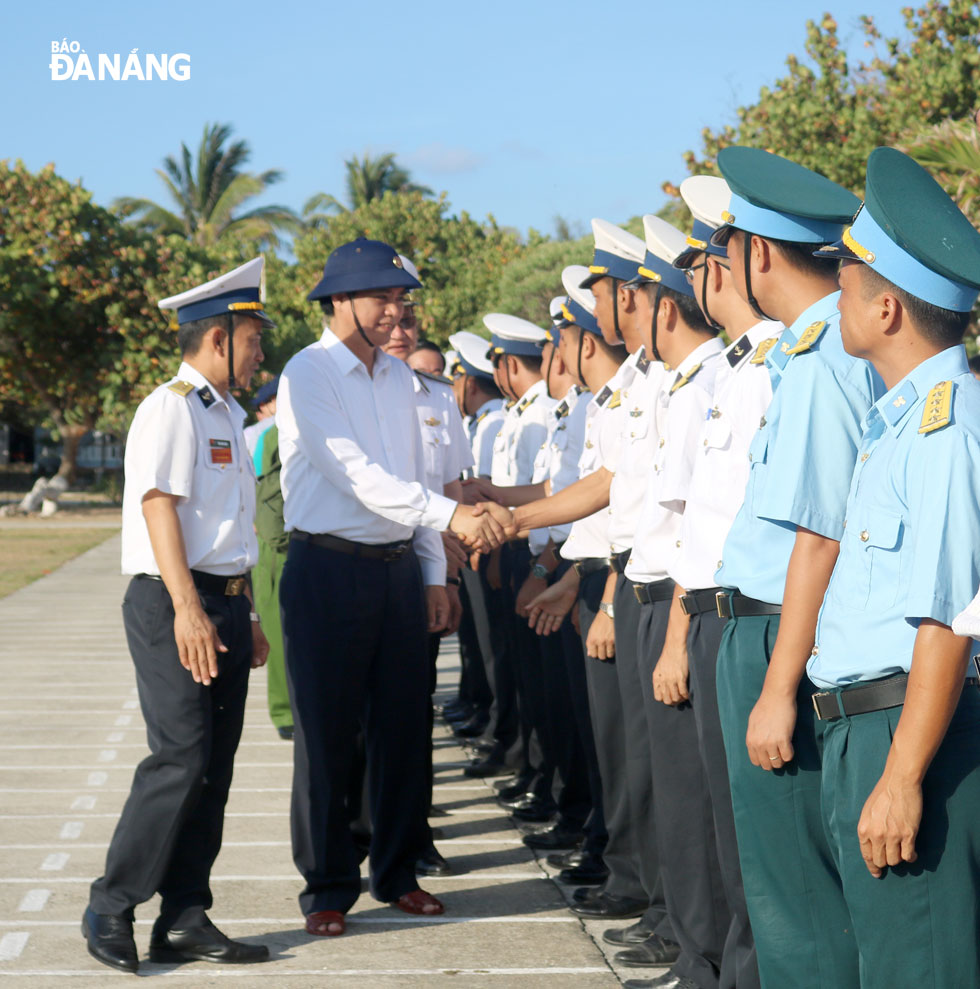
column 27, row 554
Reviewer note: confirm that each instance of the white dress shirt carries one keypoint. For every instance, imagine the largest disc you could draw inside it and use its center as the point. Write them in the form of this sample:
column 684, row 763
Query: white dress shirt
column 483, row 429
column 524, row 431
column 445, row 445
column 743, row 391
column 684, row 400
column 352, row 460
column 188, row 442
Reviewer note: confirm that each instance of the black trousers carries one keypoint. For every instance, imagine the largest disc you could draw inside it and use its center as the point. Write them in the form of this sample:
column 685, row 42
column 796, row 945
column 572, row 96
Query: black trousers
column 474, row 688
column 738, row 964
column 356, row 655
column 609, row 732
column 169, row 833
column 685, row 831
column 494, row 630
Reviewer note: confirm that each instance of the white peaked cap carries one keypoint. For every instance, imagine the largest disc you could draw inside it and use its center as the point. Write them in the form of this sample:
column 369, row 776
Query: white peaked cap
column 509, row 327
column 572, row 278
column 662, row 239
column 707, row 197
column 471, row 348
column 616, row 240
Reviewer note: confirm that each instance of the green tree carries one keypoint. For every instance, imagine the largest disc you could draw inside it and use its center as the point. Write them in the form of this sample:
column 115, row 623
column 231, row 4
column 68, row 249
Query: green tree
column 208, row 192
column 366, row 179
column 951, row 152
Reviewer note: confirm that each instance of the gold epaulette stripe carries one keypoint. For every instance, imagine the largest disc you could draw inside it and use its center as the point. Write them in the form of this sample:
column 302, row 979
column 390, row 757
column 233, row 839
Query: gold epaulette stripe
column 182, row 388
column 936, row 412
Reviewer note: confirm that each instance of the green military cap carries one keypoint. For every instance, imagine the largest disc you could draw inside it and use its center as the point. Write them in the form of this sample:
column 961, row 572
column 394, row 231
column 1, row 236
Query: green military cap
column 775, row 197
column 913, row 234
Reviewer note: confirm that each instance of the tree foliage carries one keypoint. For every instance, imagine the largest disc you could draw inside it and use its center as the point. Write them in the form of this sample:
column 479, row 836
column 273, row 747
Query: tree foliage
column 207, row 192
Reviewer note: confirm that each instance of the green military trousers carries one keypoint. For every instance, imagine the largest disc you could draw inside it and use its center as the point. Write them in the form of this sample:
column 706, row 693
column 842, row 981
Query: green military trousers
column 265, row 589
column 917, row 925
column 796, row 906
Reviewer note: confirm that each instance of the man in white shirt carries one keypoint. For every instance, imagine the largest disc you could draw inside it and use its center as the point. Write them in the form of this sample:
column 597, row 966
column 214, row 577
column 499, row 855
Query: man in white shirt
column 188, row 541
column 364, row 582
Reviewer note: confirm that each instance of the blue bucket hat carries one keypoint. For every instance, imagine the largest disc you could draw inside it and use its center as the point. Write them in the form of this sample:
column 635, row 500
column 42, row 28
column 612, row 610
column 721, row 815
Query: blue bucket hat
column 361, row 265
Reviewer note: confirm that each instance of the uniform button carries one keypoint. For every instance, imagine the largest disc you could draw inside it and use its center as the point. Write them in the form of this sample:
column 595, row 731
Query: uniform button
column 815, row 651
column 705, row 442
column 865, row 536
column 662, row 442
column 678, row 544
column 864, row 456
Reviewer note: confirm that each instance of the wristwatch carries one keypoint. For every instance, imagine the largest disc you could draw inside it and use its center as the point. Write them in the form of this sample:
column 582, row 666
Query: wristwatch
column 253, row 616
column 607, row 609
column 542, row 573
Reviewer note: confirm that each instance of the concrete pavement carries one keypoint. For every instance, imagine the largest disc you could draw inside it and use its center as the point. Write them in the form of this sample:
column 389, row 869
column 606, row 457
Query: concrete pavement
column 70, row 735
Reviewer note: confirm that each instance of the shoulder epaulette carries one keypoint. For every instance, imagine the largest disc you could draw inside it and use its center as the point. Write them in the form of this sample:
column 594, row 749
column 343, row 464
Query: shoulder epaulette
column 525, row 404
column 808, row 337
column 437, row 378
column 684, row 379
column 759, row 357
column 935, row 415
column 616, row 400
column 182, row 388
column 738, row 350
column 481, row 417
column 509, row 404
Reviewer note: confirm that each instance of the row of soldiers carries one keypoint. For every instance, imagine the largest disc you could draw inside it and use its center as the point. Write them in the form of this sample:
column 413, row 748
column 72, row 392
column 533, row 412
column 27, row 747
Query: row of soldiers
column 695, row 653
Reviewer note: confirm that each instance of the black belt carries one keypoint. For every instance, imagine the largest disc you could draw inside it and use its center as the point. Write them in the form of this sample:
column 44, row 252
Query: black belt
column 618, row 561
column 698, row 602
column 656, row 590
column 731, row 604
column 389, row 552
column 211, row 583
column 591, row 564
column 832, row 705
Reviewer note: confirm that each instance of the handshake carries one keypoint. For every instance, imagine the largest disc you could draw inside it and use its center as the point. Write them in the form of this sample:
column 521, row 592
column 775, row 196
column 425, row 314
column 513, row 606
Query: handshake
column 483, row 526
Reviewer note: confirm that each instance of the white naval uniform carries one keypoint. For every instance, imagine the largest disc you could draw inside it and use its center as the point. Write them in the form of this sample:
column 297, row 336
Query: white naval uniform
column 191, row 445
column 483, row 428
column 352, row 459
column 445, row 444
column 524, row 431
column 683, row 402
column 743, row 390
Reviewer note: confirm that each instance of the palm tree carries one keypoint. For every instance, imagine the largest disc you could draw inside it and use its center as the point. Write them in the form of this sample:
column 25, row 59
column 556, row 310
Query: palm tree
column 208, row 192
column 951, row 152
column 367, row 178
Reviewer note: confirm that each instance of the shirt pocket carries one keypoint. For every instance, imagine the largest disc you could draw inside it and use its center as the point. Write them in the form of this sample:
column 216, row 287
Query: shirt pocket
column 637, row 426
column 869, row 572
column 435, row 441
column 717, row 435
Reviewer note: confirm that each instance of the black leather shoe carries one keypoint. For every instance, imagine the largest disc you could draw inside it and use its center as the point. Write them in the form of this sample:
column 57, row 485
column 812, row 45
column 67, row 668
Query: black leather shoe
column 510, row 791
column 669, row 980
column 433, row 864
column 534, row 811
column 585, row 894
column 286, row 732
column 653, row 952
column 483, row 745
column 473, row 728
column 565, row 860
column 484, row 768
column 627, row 936
column 589, row 872
column 204, row 943
column 512, row 803
column 608, row 907
column 110, row 940
column 556, row 836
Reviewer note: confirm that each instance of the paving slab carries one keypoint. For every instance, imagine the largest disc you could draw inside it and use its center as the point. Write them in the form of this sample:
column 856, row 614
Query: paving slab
column 72, row 734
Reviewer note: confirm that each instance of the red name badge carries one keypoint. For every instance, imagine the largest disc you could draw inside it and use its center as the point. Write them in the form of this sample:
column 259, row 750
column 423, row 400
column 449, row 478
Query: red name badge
column 220, row 451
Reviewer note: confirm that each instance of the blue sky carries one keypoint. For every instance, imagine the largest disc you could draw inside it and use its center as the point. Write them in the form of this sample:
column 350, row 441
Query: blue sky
column 521, row 109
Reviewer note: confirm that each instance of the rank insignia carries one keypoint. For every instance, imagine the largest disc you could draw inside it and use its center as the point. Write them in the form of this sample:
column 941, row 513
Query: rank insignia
column 808, row 337
column 562, row 410
column 616, row 400
column 759, row 356
column 182, row 388
column 206, row 396
column 683, row 379
column 936, row 413
column 603, row 395
column 738, row 351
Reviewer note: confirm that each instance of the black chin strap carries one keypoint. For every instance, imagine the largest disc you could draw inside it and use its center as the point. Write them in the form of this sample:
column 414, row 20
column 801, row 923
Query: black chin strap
column 231, row 352
column 357, row 323
column 653, row 324
column 704, row 299
column 578, row 370
column 615, row 288
column 547, row 373
column 747, row 264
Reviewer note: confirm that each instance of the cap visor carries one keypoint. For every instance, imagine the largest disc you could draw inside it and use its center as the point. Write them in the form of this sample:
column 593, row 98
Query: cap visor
column 686, row 259
column 591, row 280
column 721, row 236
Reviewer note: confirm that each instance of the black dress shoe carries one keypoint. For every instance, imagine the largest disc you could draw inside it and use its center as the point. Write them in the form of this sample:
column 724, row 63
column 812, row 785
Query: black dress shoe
column 483, row 745
column 653, row 952
column 585, row 894
column 554, row 837
column 286, row 732
column 589, row 872
column 510, row 791
column 627, row 936
column 484, row 768
column 512, row 803
column 473, row 728
column 110, row 940
column 433, row 864
column 565, row 860
column 534, row 810
column 608, row 907
column 669, row 980
column 204, row 943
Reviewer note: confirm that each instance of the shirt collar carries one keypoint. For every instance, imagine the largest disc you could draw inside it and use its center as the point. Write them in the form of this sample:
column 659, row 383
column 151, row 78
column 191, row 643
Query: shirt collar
column 538, row 388
column 191, row 374
column 744, row 348
column 896, row 404
column 820, row 311
column 488, row 406
column 346, row 360
column 700, row 354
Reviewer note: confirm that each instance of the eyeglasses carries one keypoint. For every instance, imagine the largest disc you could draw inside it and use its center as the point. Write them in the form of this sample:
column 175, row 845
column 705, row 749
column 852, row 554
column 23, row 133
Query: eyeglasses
column 689, row 272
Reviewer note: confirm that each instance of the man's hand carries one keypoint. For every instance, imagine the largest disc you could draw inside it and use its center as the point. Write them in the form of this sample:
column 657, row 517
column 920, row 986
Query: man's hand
column 478, row 529
column 670, row 676
column 889, row 823
column 769, row 738
column 198, row 644
column 530, row 589
column 477, row 489
column 547, row 611
column 456, row 555
column 260, row 646
column 437, row 607
column 504, row 516
column 455, row 609
column 601, row 641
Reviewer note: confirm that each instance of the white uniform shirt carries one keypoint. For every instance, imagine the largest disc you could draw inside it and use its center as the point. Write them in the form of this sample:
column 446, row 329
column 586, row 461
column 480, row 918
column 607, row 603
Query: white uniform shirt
column 445, row 445
column 483, row 429
column 589, row 537
column 191, row 445
column 743, row 391
column 565, row 448
column 352, row 460
column 548, row 461
column 524, row 431
column 684, row 400
column 632, row 461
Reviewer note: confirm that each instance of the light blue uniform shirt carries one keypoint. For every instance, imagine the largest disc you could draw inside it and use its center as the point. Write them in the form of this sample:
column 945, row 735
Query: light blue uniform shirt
column 802, row 456
column 911, row 547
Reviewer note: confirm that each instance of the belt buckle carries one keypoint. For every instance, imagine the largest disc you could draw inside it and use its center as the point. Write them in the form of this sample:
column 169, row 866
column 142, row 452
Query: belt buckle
column 723, row 604
column 578, row 568
column 686, row 602
column 394, row 553
column 234, row 586
column 815, row 700
column 638, row 593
